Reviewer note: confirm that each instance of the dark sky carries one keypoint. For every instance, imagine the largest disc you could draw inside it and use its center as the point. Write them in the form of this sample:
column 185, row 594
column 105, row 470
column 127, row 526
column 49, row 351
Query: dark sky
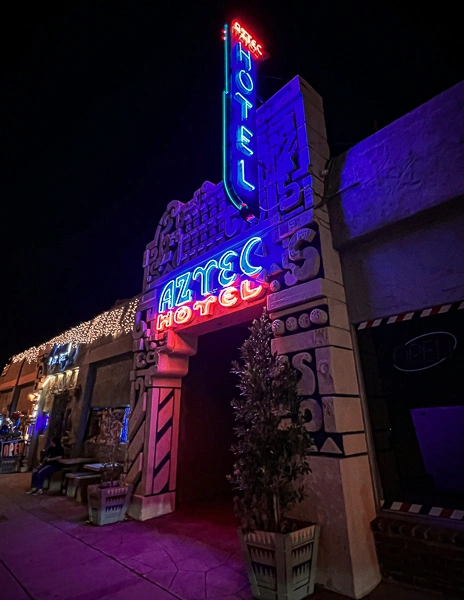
column 112, row 109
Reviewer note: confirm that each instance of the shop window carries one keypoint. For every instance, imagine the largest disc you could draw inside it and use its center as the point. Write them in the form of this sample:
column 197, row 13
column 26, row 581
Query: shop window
column 99, row 423
column 413, row 378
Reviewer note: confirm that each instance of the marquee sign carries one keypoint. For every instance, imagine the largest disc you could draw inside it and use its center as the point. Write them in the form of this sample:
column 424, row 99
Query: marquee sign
column 240, row 157
column 62, row 357
column 235, row 277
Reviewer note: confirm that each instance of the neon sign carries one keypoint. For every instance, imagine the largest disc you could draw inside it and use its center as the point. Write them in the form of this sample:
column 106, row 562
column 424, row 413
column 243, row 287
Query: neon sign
column 225, row 282
column 240, row 161
column 58, row 359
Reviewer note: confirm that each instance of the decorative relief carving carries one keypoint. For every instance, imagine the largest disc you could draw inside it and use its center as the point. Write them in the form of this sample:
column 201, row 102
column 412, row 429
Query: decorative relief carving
column 274, row 286
column 307, row 383
column 278, row 327
column 312, row 413
column 208, row 222
column 186, row 231
column 291, row 324
column 301, row 260
column 319, row 316
column 304, row 321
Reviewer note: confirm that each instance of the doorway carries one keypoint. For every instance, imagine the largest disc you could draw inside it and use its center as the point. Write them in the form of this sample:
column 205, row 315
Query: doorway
column 206, row 418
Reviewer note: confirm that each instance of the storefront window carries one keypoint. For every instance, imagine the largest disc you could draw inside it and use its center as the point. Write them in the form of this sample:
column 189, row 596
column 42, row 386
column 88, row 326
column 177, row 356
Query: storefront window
column 413, row 377
column 98, row 424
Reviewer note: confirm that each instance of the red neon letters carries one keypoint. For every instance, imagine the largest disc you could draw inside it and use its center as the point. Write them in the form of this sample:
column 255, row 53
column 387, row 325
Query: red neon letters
column 250, row 293
column 247, row 40
column 228, row 297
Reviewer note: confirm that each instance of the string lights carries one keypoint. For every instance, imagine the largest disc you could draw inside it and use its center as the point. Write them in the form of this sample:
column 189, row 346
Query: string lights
column 112, row 322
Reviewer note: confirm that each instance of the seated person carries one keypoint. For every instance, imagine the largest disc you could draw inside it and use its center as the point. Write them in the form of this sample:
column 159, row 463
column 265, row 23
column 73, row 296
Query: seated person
column 49, row 465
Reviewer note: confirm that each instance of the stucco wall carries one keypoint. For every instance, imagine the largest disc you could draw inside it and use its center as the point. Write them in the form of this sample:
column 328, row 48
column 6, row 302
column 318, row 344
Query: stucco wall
column 407, row 269
column 398, row 217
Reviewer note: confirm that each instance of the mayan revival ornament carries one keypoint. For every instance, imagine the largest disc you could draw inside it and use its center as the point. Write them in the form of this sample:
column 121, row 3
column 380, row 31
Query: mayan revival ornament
column 208, row 267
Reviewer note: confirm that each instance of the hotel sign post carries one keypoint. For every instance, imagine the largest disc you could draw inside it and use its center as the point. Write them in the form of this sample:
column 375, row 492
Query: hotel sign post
column 242, row 54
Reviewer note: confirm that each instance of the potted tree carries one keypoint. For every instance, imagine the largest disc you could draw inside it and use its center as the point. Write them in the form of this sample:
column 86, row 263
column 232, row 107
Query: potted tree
column 270, row 461
column 108, row 500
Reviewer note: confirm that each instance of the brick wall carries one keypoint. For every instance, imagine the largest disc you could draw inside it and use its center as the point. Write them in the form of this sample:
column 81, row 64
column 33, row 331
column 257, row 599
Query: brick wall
column 424, row 556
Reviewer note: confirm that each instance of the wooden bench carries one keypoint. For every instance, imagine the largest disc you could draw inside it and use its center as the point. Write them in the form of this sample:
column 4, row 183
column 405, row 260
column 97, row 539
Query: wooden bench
column 78, row 484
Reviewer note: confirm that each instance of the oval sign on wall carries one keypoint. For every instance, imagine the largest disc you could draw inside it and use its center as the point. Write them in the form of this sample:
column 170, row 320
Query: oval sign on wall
column 425, row 351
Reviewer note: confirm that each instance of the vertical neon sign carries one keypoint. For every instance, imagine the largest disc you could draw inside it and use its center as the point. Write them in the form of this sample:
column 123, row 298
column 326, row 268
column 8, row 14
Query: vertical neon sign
column 240, row 161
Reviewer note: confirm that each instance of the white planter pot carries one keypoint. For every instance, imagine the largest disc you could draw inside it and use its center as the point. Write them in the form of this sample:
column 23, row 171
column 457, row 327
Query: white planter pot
column 107, row 503
column 281, row 566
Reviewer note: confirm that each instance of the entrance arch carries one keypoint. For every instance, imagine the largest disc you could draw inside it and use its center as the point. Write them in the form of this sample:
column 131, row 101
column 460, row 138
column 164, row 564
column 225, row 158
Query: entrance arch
column 206, row 269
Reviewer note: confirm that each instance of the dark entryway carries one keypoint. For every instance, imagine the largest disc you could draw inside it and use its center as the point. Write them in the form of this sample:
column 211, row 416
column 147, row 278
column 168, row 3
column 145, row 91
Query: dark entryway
column 59, row 424
column 206, row 417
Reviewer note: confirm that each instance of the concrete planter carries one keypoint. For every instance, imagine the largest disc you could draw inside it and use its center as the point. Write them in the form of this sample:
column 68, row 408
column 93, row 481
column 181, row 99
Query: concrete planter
column 281, row 566
column 108, row 503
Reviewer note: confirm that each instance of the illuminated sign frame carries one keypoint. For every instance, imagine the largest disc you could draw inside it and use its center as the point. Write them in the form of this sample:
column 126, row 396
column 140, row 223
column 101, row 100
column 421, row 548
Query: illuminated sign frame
column 240, row 153
column 223, row 282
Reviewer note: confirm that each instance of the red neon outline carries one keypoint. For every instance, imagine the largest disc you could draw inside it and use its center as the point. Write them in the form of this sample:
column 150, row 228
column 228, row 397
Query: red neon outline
column 233, row 297
column 247, row 39
column 205, row 307
column 180, row 318
column 248, row 293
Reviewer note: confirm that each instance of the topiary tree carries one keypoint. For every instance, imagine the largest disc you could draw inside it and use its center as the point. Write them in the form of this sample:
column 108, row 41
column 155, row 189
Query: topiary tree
column 270, row 453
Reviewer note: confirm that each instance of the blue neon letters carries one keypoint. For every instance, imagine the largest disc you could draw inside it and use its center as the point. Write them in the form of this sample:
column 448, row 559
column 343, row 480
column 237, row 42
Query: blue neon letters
column 214, row 274
column 240, row 166
column 245, row 264
column 204, row 274
column 226, row 266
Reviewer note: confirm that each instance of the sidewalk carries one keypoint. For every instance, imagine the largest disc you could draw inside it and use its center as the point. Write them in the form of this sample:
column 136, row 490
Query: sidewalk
column 49, row 552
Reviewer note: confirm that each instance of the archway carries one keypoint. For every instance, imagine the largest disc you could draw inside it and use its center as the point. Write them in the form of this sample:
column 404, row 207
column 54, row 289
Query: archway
column 207, row 269
column 206, row 419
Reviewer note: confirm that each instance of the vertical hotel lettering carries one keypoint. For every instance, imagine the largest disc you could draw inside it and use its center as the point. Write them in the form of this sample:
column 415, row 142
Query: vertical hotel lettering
column 240, row 161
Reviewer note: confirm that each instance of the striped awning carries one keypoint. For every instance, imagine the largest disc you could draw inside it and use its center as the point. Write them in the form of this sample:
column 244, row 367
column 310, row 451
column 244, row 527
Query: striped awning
column 426, row 312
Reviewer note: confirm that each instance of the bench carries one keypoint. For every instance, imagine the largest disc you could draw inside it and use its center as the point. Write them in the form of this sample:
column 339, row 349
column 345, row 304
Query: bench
column 56, row 483
column 78, row 484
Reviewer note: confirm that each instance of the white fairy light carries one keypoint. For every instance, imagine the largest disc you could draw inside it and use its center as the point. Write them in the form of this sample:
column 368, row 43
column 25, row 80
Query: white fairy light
column 112, row 322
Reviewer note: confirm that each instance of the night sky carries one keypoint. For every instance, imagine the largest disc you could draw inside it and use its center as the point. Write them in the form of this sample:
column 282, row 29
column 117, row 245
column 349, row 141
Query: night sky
column 112, row 109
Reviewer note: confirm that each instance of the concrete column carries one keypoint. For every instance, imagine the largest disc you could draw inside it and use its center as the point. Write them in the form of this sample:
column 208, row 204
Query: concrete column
column 311, row 327
column 154, row 423
column 340, row 493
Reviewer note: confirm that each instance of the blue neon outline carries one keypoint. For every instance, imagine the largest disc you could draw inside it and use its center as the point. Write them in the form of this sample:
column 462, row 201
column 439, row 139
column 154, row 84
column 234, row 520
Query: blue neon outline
column 226, row 266
column 229, row 187
column 205, row 273
column 246, row 53
column 185, row 294
column 242, row 182
column 243, row 140
column 162, row 300
column 226, row 175
column 248, row 268
column 240, row 84
column 245, row 105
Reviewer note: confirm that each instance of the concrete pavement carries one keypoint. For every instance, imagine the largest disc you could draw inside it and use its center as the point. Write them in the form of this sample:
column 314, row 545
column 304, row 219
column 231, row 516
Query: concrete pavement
column 49, row 552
